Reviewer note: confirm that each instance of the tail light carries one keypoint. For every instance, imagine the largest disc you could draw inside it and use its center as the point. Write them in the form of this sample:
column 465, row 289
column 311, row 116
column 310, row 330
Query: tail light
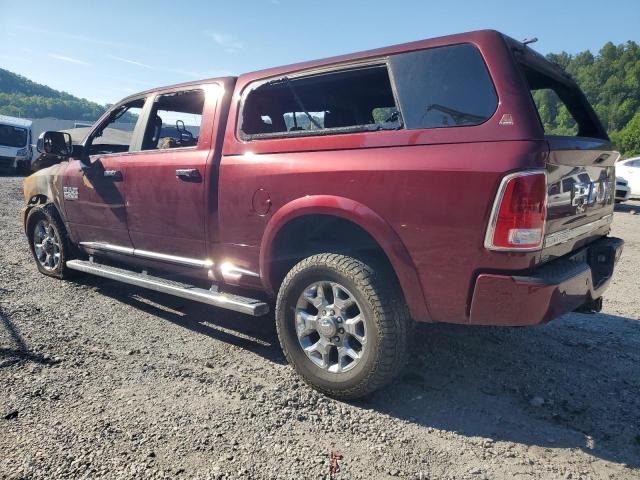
column 518, row 217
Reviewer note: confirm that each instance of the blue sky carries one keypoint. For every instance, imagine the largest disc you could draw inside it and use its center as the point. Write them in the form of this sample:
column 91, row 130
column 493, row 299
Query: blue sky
column 104, row 51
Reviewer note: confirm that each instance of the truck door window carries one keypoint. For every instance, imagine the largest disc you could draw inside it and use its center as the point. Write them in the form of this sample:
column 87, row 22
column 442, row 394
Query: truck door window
column 342, row 101
column 444, row 87
column 115, row 133
column 174, row 121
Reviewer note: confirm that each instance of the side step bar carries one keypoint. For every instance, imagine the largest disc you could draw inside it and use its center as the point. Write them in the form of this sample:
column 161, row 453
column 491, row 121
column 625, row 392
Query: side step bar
column 236, row 303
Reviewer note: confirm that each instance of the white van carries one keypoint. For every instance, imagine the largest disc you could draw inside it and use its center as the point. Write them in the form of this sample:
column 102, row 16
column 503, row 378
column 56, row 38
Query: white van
column 15, row 143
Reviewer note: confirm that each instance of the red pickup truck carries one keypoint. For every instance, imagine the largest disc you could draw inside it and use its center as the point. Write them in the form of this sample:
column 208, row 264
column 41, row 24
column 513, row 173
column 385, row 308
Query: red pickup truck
column 361, row 192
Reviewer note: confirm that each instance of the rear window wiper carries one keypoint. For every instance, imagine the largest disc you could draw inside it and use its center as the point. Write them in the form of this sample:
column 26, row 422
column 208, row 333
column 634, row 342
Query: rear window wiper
column 459, row 117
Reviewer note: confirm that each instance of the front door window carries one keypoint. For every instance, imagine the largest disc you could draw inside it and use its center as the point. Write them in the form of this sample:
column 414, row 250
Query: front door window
column 115, row 134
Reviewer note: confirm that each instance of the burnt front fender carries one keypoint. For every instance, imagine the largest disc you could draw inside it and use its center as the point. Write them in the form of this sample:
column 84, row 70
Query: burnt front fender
column 44, row 186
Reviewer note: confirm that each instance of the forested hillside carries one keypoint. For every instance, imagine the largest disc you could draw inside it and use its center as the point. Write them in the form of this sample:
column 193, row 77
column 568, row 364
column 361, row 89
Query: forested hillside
column 20, row 97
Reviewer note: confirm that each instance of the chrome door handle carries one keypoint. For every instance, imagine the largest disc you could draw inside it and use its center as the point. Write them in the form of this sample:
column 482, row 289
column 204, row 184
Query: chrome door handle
column 188, row 174
column 113, row 174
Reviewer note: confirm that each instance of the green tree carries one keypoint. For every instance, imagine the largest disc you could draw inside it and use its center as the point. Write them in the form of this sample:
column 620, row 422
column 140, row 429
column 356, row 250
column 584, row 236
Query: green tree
column 628, row 139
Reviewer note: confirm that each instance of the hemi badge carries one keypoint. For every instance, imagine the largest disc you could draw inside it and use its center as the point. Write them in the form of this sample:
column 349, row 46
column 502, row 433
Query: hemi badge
column 70, row 193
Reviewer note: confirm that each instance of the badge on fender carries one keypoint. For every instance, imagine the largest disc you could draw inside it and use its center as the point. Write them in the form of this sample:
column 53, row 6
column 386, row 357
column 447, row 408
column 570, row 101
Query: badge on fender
column 70, row 193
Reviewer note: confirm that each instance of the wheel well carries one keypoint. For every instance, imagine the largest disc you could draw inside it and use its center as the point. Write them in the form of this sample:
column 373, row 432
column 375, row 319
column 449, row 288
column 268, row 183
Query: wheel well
column 38, row 199
column 311, row 234
column 42, row 202
column 34, row 200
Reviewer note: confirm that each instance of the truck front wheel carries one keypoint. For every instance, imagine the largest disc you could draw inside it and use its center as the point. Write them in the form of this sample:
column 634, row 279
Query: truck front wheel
column 342, row 324
column 48, row 241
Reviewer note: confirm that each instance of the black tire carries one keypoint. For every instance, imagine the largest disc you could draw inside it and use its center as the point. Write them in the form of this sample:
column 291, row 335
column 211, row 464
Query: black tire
column 386, row 321
column 49, row 214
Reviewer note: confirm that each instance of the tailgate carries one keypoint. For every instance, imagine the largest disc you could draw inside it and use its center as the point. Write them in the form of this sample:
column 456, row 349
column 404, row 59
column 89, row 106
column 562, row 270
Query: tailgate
column 581, row 187
column 580, row 164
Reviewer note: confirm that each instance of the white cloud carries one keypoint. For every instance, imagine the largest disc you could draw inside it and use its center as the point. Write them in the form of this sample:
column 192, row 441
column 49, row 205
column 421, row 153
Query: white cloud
column 228, row 42
column 185, row 73
column 69, row 36
column 200, row 75
column 132, row 62
column 130, row 80
column 69, row 59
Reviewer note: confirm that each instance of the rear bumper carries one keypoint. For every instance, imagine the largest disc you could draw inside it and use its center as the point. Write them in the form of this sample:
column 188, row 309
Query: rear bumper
column 553, row 289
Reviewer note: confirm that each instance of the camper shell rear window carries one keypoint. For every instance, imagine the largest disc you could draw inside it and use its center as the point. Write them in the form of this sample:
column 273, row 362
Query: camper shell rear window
column 563, row 110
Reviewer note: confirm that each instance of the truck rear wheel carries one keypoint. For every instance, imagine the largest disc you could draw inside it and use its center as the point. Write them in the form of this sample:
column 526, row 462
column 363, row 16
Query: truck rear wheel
column 342, row 324
column 48, row 241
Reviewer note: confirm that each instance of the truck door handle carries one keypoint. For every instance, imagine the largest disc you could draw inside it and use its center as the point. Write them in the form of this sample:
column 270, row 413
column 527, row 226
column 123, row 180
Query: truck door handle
column 113, row 174
column 192, row 174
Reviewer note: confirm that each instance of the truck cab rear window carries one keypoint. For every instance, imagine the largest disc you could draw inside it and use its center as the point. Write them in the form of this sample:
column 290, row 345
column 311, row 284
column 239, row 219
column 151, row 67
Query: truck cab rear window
column 335, row 102
column 444, row 87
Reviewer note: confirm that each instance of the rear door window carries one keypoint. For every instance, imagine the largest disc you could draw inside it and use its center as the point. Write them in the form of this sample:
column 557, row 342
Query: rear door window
column 342, row 101
column 444, row 87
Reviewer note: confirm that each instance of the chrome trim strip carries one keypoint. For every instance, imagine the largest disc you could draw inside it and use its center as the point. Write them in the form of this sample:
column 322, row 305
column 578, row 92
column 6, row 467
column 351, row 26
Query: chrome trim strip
column 563, row 236
column 493, row 219
column 107, row 247
column 230, row 302
column 190, row 262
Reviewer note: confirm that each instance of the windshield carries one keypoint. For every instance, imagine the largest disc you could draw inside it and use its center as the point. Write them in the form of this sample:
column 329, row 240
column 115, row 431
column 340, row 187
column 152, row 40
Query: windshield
column 11, row 136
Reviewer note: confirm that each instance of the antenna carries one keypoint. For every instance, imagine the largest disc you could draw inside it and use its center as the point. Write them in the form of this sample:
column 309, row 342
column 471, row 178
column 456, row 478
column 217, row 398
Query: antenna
column 528, row 40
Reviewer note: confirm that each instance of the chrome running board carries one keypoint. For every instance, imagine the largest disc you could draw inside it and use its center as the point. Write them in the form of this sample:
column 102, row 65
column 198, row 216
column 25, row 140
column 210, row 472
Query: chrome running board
column 249, row 306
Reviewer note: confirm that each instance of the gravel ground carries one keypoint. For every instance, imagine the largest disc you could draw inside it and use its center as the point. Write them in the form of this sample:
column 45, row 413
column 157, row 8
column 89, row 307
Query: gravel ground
column 102, row 380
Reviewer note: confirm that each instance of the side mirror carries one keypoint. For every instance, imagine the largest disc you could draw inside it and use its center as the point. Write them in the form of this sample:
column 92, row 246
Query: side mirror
column 55, row 143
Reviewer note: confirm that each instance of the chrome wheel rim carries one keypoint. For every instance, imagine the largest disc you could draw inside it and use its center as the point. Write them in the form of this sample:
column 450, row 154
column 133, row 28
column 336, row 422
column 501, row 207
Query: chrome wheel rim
column 46, row 245
column 330, row 326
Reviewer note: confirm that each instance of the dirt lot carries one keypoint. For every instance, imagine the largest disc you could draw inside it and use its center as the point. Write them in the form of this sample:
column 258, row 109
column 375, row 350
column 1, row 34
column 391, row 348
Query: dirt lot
column 101, row 380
